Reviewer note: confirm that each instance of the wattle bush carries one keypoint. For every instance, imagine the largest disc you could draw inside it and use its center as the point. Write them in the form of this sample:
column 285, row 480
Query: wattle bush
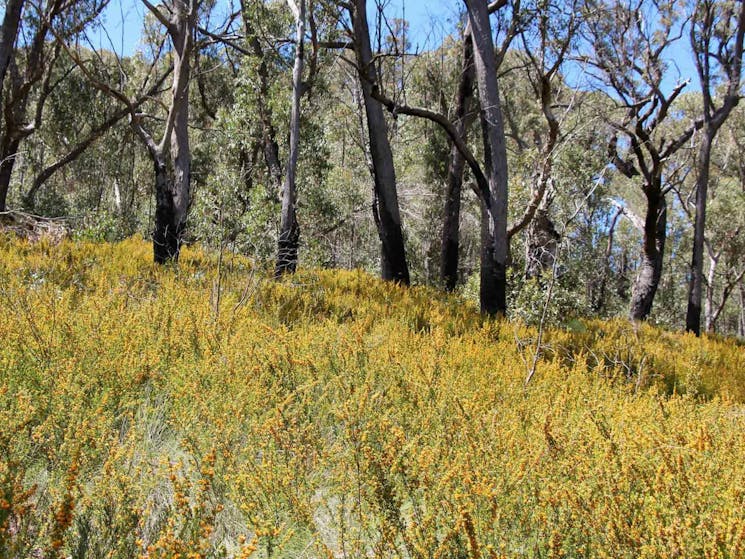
column 205, row 411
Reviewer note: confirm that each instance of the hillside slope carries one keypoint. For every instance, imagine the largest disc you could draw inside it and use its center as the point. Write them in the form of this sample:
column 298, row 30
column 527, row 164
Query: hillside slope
column 206, row 410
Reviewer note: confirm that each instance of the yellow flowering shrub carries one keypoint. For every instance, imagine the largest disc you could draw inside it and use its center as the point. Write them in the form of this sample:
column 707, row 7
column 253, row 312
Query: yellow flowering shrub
column 207, row 411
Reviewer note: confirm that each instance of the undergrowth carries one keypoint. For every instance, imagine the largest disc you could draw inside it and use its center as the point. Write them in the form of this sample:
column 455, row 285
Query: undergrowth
column 174, row 412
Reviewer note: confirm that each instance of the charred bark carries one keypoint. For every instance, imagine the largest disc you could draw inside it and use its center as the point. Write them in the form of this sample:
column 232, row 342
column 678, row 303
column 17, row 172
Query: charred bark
column 450, row 247
column 386, row 209
column 168, row 225
column 493, row 292
column 8, row 153
column 289, row 230
column 653, row 248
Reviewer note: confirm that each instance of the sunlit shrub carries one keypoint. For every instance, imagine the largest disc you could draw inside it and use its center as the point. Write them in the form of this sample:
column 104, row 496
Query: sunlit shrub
column 205, row 411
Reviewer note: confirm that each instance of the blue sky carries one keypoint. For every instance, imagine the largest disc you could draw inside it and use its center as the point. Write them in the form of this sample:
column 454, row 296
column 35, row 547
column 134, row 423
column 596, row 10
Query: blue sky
column 429, row 22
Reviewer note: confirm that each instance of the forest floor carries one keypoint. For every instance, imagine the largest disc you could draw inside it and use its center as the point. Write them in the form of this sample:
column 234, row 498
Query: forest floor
column 205, row 410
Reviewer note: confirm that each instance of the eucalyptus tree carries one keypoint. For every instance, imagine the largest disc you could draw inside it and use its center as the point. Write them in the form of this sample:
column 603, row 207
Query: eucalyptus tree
column 289, row 230
column 171, row 155
column 507, row 28
column 30, row 70
column 630, row 42
column 724, row 239
column 386, row 212
column 717, row 29
column 173, row 187
column 462, row 117
column 491, row 180
column 494, row 240
column 547, row 41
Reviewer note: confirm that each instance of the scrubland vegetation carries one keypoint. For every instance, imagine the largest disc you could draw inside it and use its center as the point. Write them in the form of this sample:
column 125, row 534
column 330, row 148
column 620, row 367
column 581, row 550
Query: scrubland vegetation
column 206, row 411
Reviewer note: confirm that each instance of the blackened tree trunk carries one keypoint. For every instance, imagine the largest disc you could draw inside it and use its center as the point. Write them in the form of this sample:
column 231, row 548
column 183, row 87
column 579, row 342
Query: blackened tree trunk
column 21, row 83
column 184, row 22
column 450, row 248
column 29, row 70
column 385, row 207
column 653, row 249
column 8, row 153
column 289, row 229
column 14, row 131
column 168, row 227
column 172, row 185
column 493, row 291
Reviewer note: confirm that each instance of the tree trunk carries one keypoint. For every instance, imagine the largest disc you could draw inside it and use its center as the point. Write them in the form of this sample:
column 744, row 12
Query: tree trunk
column 493, row 291
column 385, row 207
column 598, row 301
column 8, row 32
column 693, row 314
column 622, row 279
column 450, row 247
column 541, row 245
column 653, row 247
column 179, row 190
column 8, row 153
column 289, row 229
column 168, row 225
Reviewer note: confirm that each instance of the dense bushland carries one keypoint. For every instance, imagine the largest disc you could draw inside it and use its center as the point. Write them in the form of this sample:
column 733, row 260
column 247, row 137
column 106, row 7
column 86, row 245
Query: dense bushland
column 206, row 411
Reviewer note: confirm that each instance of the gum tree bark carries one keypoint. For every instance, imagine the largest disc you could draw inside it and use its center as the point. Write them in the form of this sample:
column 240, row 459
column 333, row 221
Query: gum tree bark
column 289, row 230
column 653, row 248
column 172, row 185
column 8, row 33
column 450, row 247
column 717, row 34
column 385, row 204
column 494, row 241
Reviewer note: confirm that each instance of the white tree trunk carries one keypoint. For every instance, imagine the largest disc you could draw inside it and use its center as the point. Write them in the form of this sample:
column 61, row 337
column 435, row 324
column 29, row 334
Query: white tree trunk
column 289, row 230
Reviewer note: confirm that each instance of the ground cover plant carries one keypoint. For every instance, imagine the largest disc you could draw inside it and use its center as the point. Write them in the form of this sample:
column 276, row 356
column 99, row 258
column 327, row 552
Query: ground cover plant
column 205, row 410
